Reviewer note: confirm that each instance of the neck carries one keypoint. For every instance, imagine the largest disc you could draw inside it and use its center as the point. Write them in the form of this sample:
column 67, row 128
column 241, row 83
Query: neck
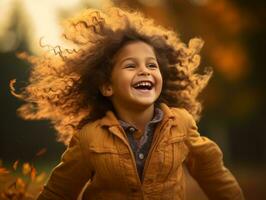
column 137, row 117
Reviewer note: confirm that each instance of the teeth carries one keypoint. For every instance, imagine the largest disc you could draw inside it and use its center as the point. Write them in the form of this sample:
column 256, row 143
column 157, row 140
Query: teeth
column 143, row 84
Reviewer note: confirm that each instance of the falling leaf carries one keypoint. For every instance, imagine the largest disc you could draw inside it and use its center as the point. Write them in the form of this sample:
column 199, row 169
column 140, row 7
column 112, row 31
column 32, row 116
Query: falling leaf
column 26, row 168
column 33, row 174
column 15, row 165
column 3, row 171
column 40, row 178
column 41, row 152
column 20, row 184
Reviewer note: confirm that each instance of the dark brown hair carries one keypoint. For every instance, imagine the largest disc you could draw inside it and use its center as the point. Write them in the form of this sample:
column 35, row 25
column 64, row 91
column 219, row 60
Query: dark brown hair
column 65, row 88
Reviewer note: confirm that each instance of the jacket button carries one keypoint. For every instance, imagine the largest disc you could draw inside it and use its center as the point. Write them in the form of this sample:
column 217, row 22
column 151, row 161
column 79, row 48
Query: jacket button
column 141, row 156
column 132, row 129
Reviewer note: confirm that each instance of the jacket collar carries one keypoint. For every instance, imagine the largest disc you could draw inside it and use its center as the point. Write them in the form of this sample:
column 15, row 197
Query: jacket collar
column 111, row 120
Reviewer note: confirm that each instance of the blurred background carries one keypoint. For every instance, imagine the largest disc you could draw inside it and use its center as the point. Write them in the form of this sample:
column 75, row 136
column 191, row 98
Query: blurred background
column 234, row 111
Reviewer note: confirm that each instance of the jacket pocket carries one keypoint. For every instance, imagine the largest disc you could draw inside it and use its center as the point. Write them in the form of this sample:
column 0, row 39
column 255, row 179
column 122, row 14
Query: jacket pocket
column 170, row 155
column 107, row 164
column 107, row 150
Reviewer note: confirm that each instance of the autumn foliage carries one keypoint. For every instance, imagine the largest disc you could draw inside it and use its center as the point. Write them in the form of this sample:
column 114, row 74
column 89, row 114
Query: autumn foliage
column 22, row 181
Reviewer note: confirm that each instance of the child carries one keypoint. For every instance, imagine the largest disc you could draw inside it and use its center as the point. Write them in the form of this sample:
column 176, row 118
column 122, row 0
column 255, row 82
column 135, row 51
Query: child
column 125, row 103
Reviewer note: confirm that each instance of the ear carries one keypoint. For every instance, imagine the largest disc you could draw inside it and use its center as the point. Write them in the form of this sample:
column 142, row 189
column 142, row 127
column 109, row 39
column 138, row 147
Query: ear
column 106, row 90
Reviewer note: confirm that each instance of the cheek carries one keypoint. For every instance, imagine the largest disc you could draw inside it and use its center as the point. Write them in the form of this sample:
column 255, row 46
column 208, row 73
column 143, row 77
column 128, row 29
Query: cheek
column 159, row 81
column 122, row 83
column 118, row 79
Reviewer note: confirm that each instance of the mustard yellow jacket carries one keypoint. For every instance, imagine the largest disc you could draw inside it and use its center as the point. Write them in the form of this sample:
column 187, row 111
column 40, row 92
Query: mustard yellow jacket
column 100, row 157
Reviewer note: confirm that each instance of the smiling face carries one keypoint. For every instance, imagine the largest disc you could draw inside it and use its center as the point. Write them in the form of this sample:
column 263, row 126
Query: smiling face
column 136, row 80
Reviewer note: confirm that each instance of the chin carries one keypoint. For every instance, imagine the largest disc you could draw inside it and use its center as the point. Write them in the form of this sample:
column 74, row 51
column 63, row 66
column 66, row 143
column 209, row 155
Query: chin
column 144, row 104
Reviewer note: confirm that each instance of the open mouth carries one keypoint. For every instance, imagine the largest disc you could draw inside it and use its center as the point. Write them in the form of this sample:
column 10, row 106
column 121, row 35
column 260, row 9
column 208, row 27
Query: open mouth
column 143, row 85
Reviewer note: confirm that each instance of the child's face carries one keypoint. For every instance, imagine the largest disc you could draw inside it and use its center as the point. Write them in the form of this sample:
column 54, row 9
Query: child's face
column 136, row 80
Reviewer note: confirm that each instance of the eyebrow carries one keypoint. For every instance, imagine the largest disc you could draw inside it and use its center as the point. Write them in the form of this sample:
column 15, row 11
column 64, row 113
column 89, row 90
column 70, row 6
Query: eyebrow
column 133, row 58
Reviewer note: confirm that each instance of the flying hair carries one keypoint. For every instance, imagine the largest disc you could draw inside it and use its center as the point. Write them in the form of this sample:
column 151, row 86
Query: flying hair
column 63, row 87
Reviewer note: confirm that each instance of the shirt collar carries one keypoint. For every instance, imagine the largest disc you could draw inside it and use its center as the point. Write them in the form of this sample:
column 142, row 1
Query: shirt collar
column 157, row 117
column 111, row 120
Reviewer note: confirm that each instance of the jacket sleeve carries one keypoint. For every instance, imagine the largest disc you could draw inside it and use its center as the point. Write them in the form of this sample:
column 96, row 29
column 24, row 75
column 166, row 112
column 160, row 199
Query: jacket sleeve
column 205, row 164
column 69, row 177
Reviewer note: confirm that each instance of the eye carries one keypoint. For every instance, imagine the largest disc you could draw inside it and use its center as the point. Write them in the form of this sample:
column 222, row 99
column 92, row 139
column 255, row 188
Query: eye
column 152, row 65
column 130, row 66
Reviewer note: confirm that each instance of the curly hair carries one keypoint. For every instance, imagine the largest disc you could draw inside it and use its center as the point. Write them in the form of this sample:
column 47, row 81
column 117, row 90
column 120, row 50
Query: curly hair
column 65, row 89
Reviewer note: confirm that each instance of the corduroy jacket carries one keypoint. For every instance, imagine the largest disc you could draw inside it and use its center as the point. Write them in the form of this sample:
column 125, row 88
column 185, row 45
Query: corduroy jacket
column 99, row 157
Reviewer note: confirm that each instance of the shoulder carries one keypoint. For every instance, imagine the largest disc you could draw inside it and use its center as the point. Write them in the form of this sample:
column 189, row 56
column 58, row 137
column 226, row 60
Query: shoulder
column 93, row 125
column 182, row 114
column 184, row 118
column 89, row 131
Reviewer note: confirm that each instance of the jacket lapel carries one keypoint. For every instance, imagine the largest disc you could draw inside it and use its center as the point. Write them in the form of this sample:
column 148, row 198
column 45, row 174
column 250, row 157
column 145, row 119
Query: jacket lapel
column 110, row 121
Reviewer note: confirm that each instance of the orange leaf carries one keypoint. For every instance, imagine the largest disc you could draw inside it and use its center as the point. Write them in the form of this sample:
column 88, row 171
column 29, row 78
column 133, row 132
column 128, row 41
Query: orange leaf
column 15, row 165
column 26, row 168
column 41, row 177
column 4, row 171
column 33, row 174
column 20, row 183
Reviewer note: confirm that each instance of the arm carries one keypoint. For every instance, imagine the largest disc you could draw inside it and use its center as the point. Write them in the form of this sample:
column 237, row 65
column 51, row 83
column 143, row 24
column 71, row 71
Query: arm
column 68, row 178
column 205, row 164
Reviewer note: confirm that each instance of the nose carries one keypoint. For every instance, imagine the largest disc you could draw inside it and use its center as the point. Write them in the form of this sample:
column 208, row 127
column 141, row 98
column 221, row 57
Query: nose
column 143, row 71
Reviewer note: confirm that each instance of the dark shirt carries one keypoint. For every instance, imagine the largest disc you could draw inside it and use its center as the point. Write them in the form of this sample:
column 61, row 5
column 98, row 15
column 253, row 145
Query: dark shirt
column 141, row 146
